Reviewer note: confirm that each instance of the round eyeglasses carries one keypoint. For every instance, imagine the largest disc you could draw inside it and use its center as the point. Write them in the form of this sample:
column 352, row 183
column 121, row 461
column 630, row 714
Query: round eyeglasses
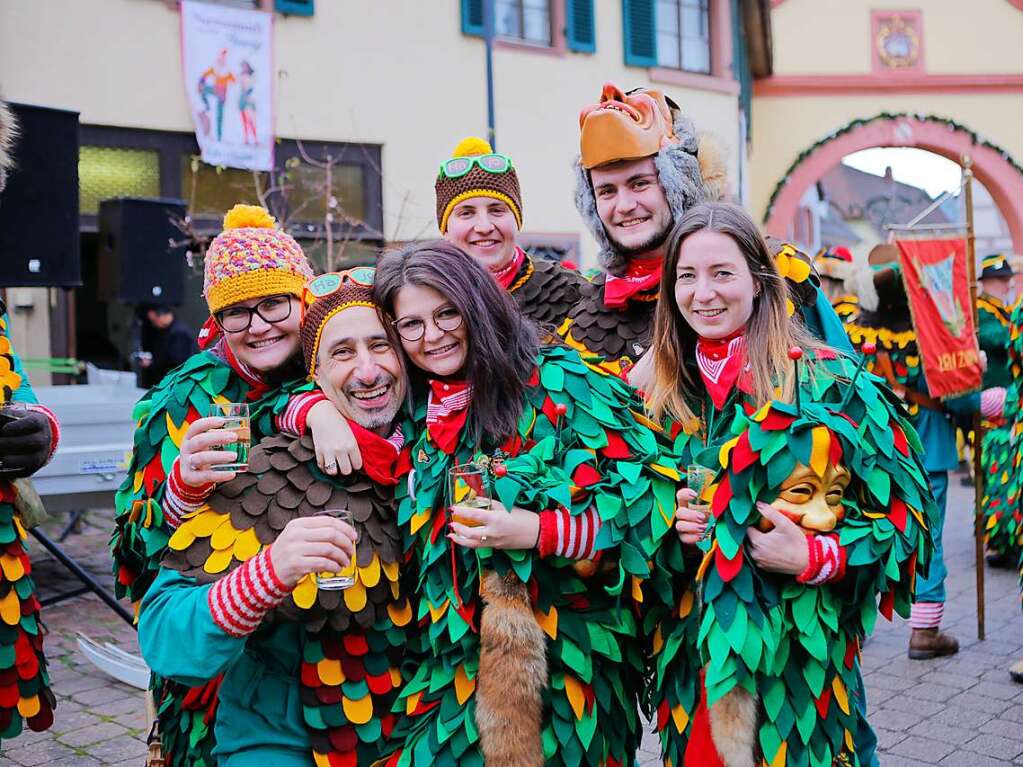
column 237, row 319
column 447, row 319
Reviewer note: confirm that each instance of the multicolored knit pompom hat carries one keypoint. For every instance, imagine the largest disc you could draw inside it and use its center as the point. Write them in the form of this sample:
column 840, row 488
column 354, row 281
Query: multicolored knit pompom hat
column 477, row 182
column 252, row 258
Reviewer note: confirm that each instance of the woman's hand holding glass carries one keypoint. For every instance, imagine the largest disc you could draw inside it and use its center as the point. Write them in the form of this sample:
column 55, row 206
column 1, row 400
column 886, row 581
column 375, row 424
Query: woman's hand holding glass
column 199, row 452
column 312, row 545
column 493, row 528
column 337, row 451
column 691, row 519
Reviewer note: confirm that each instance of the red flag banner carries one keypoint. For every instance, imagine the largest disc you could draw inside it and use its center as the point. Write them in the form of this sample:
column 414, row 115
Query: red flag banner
column 937, row 282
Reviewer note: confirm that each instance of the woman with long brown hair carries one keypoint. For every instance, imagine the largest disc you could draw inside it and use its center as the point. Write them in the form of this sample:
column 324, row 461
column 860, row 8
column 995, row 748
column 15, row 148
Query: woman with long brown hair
column 529, row 655
column 816, row 506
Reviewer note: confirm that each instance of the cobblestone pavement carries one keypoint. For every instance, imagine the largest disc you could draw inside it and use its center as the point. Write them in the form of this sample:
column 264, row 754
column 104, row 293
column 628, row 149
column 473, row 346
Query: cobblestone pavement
column 951, row 712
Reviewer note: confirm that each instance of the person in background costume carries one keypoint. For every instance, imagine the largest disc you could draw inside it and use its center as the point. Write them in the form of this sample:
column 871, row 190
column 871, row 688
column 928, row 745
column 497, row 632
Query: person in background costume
column 817, row 506
column 479, row 209
column 28, row 440
column 303, row 668
column 167, row 339
column 254, row 277
column 994, row 312
column 885, row 322
column 531, row 654
column 641, row 166
column 834, row 265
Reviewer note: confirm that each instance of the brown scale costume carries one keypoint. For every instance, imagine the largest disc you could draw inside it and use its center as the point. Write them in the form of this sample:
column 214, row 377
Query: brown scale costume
column 546, row 291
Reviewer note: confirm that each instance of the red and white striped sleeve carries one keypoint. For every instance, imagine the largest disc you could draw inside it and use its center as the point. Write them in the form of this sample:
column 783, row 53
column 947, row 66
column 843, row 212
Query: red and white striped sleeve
column 180, row 498
column 54, row 426
column 827, row 560
column 239, row 601
column 563, row 534
column 292, row 419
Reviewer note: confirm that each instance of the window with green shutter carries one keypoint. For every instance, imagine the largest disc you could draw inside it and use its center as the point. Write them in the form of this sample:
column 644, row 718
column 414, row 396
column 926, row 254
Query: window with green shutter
column 472, row 17
column 581, row 27
column 640, row 33
column 294, row 7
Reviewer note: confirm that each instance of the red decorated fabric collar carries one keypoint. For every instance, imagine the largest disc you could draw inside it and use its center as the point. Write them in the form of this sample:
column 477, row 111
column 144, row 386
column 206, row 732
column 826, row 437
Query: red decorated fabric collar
column 506, row 275
column 721, row 361
column 642, row 275
column 446, row 411
column 384, row 459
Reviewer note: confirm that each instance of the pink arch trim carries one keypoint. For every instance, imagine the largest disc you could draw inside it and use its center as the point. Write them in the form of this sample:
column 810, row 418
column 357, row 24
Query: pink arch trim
column 989, row 167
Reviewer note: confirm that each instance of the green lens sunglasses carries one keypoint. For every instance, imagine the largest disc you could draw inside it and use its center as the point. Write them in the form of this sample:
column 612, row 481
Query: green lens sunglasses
column 457, row 167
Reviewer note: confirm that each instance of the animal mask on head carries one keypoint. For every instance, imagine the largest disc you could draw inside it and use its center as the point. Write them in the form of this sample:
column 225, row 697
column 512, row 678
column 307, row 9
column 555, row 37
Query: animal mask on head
column 624, row 126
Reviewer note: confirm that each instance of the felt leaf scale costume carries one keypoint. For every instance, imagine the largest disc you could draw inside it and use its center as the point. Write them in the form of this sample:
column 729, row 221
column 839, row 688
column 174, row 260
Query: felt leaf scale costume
column 25, row 695
column 341, row 650
column 250, row 259
column 792, row 644
column 582, row 443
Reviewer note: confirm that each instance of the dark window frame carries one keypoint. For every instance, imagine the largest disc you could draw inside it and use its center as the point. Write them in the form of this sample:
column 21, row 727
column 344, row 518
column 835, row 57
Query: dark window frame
column 170, row 146
column 704, row 6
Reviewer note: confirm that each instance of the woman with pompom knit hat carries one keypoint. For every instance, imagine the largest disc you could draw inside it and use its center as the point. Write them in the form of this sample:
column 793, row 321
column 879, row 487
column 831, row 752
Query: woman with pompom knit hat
column 254, row 276
column 479, row 209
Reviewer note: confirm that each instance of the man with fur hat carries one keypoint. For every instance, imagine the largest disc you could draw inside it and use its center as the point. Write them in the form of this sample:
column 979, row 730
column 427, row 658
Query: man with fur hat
column 28, row 439
column 305, row 668
column 640, row 167
column 886, row 322
column 479, row 209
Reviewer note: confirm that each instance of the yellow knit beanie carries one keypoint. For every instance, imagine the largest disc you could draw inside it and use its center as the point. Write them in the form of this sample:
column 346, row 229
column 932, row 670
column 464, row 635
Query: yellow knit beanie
column 252, row 258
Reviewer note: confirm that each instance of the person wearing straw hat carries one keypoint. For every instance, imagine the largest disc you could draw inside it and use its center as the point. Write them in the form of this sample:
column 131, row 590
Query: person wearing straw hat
column 479, row 209
column 309, row 672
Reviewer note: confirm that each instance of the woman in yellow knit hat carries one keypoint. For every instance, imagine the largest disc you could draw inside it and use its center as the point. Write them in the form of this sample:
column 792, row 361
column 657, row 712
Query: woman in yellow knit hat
column 254, row 276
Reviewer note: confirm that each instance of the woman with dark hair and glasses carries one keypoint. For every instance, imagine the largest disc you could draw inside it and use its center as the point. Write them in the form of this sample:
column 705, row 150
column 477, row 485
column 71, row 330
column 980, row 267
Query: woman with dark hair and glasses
column 539, row 496
column 817, row 512
column 254, row 276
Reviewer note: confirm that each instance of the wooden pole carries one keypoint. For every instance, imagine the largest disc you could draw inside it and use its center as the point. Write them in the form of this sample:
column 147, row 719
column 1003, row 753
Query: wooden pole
column 978, row 434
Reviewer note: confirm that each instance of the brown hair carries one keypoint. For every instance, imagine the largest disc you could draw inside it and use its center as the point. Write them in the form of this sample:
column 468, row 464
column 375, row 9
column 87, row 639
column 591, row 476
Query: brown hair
column 770, row 332
column 502, row 344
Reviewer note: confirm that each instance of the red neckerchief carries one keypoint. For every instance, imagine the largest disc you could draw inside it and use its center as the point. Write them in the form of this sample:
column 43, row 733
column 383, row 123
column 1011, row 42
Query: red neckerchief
column 209, row 334
column 641, row 275
column 258, row 387
column 721, row 361
column 383, row 458
column 506, row 275
column 446, row 411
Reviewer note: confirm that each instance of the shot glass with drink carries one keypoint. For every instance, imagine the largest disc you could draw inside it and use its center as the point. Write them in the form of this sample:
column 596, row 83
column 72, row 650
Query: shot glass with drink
column 698, row 477
column 344, row 578
column 469, row 485
column 236, row 419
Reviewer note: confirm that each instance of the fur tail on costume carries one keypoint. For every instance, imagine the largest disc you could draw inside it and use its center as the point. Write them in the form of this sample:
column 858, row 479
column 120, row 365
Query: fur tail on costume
column 8, row 134
column 713, row 166
column 733, row 727
column 512, row 674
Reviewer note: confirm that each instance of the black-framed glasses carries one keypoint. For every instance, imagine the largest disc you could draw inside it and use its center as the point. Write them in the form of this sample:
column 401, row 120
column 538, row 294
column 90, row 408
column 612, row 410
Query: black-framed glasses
column 447, row 318
column 272, row 309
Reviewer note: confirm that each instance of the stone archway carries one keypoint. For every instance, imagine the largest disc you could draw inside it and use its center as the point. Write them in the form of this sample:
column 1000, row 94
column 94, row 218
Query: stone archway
column 992, row 166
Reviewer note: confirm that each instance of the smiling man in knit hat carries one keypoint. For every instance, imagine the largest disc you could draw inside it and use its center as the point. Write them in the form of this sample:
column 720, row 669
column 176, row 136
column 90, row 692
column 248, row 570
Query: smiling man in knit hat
column 479, row 209
column 640, row 168
column 309, row 674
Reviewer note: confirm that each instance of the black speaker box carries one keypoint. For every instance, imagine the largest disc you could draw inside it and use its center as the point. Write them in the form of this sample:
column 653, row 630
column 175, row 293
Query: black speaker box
column 39, row 238
column 138, row 261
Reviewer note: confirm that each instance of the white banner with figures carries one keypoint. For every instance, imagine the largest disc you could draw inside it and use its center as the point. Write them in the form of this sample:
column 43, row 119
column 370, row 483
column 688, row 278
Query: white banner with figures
column 227, row 62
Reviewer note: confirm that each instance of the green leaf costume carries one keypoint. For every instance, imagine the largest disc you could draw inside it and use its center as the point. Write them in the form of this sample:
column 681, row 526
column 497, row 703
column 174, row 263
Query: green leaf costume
column 598, row 450
column 795, row 646
column 141, row 531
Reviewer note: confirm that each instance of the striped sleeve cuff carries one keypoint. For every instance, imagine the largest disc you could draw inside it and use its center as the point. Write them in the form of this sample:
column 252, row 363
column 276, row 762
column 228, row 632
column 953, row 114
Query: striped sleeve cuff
column 827, row 560
column 54, row 427
column 180, row 498
column 292, row 419
column 565, row 535
column 239, row 601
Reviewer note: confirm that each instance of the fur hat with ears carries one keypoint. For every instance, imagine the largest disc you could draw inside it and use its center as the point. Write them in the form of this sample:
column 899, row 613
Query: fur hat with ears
column 691, row 168
column 8, row 135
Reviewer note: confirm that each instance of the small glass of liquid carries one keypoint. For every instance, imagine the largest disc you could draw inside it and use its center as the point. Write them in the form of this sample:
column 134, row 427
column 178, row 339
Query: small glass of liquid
column 344, row 578
column 236, row 419
column 469, row 485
